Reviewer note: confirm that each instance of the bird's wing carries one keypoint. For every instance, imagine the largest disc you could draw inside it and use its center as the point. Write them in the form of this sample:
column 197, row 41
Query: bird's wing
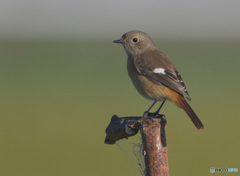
column 158, row 68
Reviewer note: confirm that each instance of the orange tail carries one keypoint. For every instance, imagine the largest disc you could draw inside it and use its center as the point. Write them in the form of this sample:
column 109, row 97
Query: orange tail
column 187, row 108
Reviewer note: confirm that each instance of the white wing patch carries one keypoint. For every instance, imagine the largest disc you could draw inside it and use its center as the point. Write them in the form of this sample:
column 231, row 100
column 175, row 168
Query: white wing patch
column 159, row 70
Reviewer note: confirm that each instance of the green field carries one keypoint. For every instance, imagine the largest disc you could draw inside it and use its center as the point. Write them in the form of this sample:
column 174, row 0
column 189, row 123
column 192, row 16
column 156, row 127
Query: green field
column 57, row 98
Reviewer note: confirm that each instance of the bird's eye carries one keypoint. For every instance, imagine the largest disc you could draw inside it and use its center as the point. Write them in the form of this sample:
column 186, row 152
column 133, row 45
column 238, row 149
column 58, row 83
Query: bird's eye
column 135, row 40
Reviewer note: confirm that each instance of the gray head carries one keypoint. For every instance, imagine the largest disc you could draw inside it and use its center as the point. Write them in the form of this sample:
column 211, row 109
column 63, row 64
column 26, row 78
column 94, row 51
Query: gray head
column 136, row 42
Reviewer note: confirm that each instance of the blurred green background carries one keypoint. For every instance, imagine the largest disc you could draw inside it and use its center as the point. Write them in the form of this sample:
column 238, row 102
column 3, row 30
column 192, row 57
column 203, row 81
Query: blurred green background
column 57, row 98
column 62, row 79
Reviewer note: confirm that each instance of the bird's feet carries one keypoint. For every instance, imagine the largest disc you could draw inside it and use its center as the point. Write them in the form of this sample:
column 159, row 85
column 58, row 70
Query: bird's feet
column 145, row 114
column 148, row 114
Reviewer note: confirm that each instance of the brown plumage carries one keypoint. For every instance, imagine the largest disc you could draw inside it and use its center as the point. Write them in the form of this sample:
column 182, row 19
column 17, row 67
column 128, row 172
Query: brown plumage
column 153, row 73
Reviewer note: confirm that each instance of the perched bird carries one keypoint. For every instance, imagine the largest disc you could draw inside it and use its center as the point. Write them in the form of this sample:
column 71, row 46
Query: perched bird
column 153, row 73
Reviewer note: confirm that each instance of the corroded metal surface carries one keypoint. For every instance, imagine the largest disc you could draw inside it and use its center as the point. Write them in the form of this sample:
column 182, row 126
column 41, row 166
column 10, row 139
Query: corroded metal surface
column 152, row 127
column 154, row 143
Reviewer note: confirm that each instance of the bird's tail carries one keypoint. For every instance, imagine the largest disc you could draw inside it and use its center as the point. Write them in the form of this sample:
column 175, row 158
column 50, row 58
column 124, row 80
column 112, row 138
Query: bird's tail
column 187, row 108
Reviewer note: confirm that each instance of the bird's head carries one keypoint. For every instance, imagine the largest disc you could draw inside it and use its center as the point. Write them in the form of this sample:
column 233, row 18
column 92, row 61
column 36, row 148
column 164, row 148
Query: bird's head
column 135, row 42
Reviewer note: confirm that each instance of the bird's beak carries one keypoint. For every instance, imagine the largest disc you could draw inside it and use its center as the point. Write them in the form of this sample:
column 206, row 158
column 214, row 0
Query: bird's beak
column 118, row 41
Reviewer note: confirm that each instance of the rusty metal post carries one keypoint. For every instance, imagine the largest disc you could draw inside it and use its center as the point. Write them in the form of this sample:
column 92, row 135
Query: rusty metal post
column 154, row 145
column 152, row 127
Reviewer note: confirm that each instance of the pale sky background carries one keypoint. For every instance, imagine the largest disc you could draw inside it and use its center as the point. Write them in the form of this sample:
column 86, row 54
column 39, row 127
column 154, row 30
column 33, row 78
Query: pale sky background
column 72, row 19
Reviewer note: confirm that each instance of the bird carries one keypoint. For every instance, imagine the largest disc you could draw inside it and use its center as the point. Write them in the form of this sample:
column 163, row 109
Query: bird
column 154, row 75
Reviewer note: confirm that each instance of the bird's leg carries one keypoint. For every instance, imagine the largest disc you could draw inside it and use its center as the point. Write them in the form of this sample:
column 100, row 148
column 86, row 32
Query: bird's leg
column 155, row 101
column 160, row 107
column 145, row 114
